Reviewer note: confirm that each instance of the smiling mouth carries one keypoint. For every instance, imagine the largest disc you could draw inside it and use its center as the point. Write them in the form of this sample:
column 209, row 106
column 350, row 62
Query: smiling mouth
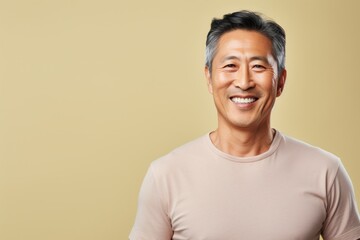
column 246, row 100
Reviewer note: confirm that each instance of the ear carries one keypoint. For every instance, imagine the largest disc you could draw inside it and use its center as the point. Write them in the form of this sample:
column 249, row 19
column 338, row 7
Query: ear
column 208, row 79
column 281, row 83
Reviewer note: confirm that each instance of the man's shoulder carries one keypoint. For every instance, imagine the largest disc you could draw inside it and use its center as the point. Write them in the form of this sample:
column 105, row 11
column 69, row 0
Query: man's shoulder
column 308, row 153
column 183, row 154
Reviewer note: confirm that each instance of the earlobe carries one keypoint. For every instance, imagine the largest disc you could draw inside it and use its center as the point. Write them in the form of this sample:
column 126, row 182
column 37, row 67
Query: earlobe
column 281, row 83
column 208, row 80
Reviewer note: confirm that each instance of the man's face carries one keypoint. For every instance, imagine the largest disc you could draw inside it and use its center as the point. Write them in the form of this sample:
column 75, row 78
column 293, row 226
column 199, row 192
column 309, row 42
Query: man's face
column 243, row 80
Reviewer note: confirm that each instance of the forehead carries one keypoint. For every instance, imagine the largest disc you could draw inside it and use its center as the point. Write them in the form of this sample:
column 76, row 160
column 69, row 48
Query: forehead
column 244, row 42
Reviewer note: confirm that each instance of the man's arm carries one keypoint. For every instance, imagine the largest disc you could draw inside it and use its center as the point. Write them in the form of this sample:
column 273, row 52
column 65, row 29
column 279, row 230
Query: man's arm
column 152, row 221
column 342, row 221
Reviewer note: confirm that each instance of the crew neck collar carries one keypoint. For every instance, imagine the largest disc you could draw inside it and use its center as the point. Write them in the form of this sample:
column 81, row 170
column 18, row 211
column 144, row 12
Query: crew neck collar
column 274, row 145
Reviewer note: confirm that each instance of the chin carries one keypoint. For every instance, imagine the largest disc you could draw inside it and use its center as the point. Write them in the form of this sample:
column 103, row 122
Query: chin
column 242, row 124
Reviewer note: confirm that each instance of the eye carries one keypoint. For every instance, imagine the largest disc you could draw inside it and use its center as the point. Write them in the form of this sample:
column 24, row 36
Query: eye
column 258, row 67
column 230, row 65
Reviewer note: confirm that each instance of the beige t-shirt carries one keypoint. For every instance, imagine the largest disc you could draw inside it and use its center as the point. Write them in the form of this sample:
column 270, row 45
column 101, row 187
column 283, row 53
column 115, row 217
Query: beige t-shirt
column 292, row 191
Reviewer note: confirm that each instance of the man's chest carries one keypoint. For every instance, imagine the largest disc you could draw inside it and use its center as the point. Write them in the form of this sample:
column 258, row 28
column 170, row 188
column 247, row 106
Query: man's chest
column 233, row 208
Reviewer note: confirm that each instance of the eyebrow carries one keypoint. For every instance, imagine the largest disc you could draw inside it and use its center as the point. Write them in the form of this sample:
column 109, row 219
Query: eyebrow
column 260, row 58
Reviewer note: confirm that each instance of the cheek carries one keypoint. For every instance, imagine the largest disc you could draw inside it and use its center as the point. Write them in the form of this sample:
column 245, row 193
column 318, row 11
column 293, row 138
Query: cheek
column 223, row 79
column 267, row 82
column 275, row 85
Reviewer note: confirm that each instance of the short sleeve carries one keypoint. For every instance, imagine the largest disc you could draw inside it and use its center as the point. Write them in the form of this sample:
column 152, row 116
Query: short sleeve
column 342, row 220
column 152, row 221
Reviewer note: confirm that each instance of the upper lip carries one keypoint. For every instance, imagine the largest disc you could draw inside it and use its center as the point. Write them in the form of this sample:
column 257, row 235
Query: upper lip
column 243, row 96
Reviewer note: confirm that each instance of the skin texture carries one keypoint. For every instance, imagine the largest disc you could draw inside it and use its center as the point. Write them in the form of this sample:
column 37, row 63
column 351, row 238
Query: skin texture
column 244, row 67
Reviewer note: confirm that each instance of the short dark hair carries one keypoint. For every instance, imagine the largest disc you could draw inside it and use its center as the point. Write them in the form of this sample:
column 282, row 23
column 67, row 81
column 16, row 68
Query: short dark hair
column 251, row 21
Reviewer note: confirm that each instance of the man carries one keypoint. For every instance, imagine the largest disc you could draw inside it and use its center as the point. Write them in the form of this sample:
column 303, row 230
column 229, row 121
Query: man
column 246, row 180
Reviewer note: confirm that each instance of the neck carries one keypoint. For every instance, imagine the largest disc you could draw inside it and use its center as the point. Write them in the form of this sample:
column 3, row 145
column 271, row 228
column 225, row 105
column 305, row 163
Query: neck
column 243, row 142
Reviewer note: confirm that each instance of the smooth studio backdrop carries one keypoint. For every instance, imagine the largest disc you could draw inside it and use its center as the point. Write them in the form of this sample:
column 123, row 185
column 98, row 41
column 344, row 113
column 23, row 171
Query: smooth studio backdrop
column 92, row 91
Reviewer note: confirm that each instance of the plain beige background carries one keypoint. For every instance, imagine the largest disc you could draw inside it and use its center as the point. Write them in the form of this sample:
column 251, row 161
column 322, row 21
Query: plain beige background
column 92, row 91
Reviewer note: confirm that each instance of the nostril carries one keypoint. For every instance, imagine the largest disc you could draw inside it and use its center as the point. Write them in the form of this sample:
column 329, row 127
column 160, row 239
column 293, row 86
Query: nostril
column 244, row 83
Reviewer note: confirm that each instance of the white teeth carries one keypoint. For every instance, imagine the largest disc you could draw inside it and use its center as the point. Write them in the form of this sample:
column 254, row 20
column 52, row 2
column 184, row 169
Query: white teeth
column 243, row 100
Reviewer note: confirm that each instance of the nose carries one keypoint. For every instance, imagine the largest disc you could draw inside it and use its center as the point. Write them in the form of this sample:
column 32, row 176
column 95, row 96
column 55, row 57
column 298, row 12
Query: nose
column 244, row 79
